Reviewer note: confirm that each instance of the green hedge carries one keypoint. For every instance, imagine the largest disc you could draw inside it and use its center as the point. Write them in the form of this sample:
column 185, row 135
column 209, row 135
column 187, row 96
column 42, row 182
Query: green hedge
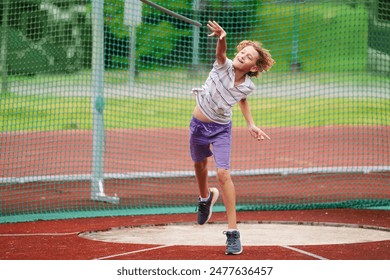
column 332, row 37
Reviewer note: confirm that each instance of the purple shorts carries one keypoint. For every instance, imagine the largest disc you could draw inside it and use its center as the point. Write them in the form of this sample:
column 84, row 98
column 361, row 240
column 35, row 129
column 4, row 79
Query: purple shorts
column 203, row 135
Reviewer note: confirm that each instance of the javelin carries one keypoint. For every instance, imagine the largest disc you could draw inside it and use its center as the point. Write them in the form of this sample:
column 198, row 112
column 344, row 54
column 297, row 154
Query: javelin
column 169, row 12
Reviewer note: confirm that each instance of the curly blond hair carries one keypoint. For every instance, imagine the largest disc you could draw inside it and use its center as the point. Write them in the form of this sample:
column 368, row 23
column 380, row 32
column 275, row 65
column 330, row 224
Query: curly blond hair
column 265, row 60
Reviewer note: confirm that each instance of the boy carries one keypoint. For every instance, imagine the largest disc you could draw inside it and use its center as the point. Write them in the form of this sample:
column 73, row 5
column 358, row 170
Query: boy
column 229, row 82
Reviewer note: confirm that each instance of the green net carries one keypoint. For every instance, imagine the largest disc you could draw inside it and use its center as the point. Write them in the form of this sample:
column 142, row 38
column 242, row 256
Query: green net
column 96, row 102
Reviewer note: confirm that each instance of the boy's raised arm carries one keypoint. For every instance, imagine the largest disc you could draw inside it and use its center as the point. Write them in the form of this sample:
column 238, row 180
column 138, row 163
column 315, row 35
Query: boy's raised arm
column 218, row 31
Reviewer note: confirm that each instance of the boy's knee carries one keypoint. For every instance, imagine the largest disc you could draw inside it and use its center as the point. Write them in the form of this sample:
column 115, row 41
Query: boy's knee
column 200, row 165
column 223, row 176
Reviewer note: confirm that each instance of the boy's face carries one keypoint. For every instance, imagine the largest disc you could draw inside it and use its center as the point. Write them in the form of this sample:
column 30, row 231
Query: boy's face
column 246, row 60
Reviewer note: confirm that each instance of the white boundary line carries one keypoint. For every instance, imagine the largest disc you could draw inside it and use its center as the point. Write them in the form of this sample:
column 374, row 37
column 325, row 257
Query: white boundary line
column 37, row 234
column 185, row 173
column 133, row 252
column 303, row 252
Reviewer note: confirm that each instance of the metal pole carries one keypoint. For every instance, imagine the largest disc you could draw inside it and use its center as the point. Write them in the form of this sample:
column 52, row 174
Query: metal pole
column 133, row 39
column 97, row 190
column 132, row 18
column 195, row 40
column 295, row 63
column 4, row 48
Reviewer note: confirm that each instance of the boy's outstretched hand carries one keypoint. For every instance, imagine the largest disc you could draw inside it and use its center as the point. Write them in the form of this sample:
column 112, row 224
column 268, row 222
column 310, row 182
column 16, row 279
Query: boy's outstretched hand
column 258, row 133
column 216, row 29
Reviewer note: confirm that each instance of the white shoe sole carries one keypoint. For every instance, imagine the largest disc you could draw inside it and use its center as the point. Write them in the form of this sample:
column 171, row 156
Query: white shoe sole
column 215, row 198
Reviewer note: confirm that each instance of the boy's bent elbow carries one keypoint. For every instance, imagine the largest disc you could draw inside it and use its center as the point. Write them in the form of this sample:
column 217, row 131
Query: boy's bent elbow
column 243, row 101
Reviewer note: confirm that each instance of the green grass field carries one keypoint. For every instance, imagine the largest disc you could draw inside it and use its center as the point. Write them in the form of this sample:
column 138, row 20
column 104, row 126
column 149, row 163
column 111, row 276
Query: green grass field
column 34, row 113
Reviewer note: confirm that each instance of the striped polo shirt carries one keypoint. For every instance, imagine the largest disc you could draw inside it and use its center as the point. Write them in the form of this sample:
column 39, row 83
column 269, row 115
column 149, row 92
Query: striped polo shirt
column 218, row 95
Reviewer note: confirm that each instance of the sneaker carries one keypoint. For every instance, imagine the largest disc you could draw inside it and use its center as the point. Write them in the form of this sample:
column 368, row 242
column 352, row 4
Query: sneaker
column 233, row 242
column 205, row 208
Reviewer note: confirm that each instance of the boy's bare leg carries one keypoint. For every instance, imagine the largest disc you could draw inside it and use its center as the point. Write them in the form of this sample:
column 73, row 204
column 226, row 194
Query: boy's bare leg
column 229, row 196
column 201, row 174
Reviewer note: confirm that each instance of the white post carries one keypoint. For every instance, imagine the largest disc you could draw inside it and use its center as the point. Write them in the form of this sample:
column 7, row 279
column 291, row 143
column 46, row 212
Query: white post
column 132, row 58
column 295, row 61
column 132, row 18
column 97, row 188
column 195, row 40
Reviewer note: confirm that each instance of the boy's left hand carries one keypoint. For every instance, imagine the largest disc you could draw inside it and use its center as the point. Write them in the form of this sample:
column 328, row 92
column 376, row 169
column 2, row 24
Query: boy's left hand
column 257, row 133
